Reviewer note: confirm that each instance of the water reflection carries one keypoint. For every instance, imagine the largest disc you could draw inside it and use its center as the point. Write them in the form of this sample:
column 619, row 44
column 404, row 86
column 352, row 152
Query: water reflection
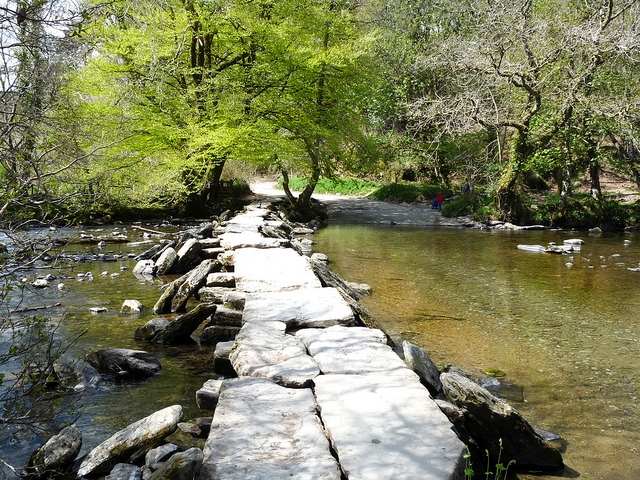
column 568, row 335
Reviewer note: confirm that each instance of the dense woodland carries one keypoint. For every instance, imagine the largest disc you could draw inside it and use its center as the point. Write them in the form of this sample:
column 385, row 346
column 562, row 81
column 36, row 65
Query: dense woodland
column 131, row 108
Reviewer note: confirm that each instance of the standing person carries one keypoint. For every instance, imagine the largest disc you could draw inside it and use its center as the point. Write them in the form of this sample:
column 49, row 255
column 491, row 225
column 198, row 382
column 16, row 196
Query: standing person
column 440, row 200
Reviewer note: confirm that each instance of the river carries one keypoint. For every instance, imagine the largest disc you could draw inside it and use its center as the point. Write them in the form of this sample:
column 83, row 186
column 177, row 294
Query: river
column 566, row 337
column 564, row 329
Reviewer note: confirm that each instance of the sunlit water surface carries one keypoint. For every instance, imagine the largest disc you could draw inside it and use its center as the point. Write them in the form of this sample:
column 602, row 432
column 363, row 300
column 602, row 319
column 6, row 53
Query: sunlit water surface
column 568, row 335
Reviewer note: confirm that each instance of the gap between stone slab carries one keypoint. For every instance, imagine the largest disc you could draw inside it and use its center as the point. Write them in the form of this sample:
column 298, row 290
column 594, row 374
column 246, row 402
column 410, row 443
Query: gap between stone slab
column 332, row 450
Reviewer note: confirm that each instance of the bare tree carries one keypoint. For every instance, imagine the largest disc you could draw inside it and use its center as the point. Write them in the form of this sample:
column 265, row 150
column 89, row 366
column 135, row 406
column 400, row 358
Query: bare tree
column 530, row 68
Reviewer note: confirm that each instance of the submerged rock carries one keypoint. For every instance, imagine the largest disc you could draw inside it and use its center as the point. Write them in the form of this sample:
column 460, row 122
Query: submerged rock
column 150, row 329
column 122, row 361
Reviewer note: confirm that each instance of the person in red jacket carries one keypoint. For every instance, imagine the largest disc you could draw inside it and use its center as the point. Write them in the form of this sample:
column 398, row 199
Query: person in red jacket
column 440, row 201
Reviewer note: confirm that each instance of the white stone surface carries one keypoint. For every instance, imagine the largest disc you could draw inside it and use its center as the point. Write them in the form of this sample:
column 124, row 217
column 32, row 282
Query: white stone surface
column 272, row 269
column 307, row 307
column 385, row 427
column 131, row 306
column 263, row 431
column 353, row 350
column 263, row 349
column 236, row 240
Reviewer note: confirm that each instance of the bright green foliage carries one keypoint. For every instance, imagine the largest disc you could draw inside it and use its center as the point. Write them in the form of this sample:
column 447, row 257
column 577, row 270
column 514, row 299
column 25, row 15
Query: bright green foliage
column 340, row 186
column 197, row 84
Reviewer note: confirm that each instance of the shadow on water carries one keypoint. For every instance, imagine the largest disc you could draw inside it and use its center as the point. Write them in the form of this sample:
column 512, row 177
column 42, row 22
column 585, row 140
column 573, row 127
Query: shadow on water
column 564, row 328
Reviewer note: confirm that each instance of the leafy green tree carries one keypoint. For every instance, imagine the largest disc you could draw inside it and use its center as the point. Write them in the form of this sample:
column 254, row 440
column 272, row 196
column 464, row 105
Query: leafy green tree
column 204, row 83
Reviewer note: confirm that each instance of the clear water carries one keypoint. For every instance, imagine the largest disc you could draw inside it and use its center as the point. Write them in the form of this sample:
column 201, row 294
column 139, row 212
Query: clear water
column 568, row 335
column 113, row 406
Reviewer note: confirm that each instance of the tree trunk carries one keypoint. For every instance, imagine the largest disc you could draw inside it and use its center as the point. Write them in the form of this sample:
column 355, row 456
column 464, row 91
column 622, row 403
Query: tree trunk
column 214, row 181
column 594, row 174
column 285, row 187
column 507, row 194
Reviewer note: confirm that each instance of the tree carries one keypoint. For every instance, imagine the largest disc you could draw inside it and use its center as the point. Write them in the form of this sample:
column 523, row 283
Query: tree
column 526, row 67
column 34, row 55
column 277, row 83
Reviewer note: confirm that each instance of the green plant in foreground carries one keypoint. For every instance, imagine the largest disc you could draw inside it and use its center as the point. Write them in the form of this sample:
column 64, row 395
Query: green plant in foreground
column 500, row 473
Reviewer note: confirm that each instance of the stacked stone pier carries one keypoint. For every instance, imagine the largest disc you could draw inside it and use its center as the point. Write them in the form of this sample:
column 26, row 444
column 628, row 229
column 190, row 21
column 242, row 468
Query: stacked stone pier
column 316, row 397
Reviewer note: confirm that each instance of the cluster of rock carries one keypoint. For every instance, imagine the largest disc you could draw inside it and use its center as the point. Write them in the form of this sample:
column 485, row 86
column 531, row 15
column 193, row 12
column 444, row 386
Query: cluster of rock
column 307, row 387
column 136, row 452
column 571, row 245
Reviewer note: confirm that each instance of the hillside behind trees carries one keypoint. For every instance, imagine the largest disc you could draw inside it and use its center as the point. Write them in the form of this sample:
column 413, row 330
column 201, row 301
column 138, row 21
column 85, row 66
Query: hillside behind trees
column 516, row 107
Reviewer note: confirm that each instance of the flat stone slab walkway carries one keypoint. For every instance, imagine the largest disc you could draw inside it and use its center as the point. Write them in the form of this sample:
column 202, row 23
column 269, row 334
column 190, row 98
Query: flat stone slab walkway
column 308, row 307
column 366, row 403
column 272, row 270
column 353, row 350
column 263, row 431
column 385, row 427
column 263, row 349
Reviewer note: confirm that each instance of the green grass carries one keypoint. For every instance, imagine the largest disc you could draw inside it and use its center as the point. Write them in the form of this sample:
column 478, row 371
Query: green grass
column 338, row 186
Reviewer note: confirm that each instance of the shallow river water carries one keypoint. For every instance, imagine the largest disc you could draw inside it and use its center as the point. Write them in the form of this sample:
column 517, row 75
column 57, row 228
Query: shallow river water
column 567, row 336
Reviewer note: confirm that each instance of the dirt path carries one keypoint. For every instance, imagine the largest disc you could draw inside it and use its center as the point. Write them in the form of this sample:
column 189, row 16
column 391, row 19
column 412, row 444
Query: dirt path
column 344, row 209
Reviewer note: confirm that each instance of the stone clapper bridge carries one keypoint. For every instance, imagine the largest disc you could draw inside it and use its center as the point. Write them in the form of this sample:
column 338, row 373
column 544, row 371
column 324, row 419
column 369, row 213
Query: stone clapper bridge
column 316, row 397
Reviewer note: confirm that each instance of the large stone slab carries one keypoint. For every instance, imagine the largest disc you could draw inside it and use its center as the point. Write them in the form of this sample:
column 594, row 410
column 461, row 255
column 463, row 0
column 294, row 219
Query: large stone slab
column 263, row 349
column 263, row 431
column 387, row 427
column 236, row 240
column 247, row 222
column 272, row 270
column 353, row 350
column 307, row 307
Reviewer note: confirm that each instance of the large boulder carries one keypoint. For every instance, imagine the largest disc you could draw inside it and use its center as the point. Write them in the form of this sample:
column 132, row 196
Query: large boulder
column 130, row 444
column 490, row 420
column 56, row 456
column 188, row 255
column 196, row 279
column 165, row 261
column 163, row 305
column 124, row 361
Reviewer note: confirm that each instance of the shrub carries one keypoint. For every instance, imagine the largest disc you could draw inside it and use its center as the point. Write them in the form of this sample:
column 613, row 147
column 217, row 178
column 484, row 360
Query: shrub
column 409, row 192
